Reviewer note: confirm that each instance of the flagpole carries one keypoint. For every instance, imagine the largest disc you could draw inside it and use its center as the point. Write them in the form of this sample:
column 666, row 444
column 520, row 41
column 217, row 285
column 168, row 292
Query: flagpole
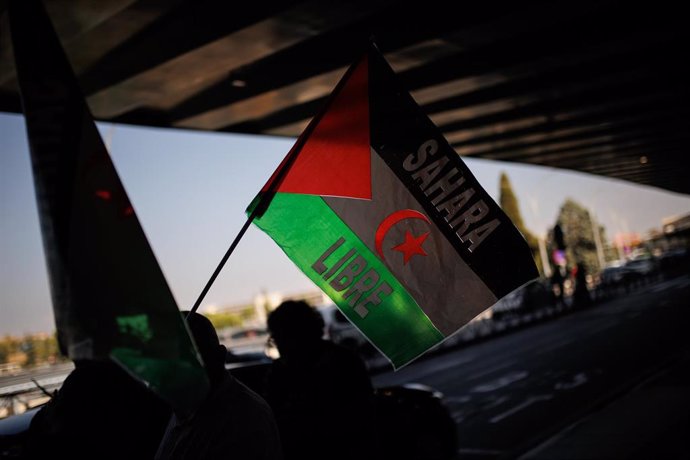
column 225, row 258
column 267, row 196
column 261, row 207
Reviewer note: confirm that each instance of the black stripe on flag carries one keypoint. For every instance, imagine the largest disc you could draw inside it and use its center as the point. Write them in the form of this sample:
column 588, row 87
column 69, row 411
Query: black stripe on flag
column 399, row 128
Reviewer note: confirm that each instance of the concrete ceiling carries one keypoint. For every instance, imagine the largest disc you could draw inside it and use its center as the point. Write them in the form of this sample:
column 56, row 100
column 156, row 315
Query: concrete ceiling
column 593, row 86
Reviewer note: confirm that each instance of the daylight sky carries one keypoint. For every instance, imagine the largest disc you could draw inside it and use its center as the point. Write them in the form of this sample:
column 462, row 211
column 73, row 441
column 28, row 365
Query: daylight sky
column 190, row 190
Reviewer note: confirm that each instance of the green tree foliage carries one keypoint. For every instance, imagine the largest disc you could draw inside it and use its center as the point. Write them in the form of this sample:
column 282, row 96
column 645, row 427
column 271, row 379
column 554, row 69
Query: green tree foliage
column 223, row 320
column 578, row 234
column 33, row 349
column 43, row 348
column 248, row 313
column 509, row 204
column 8, row 346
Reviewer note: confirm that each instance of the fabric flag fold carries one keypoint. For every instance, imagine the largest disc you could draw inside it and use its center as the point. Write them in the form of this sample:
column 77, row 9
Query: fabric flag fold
column 110, row 298
column 378, row 210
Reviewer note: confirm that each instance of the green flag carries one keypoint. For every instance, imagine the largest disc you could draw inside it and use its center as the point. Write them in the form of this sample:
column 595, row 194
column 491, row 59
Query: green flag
column 110, row 298
column 376, row 208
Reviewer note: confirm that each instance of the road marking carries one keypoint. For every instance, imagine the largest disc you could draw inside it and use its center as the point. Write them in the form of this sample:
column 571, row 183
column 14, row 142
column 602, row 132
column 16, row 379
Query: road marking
column 661, row 287
column 528, row 402
column 457, row 399
column 458, row 416
column 496, row 402
column 507, row 359
column 491, row 370
column 579, row 379
column 446, row 364
column 22, row 387
column 520, row 351
column 590, row 332
column 678, row 283
column 500, row 382
column 553, row 346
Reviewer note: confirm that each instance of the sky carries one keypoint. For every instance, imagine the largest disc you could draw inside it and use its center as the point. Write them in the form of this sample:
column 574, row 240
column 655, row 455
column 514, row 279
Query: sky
column 190, row 189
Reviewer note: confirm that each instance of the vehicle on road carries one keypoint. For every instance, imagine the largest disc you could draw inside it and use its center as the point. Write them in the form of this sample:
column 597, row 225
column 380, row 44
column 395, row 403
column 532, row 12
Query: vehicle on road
column 244, row 341
column 525, row 299
column 643, row 266
column 341, row 331
column 614, row 279
column 674, row 262
column 621, row 278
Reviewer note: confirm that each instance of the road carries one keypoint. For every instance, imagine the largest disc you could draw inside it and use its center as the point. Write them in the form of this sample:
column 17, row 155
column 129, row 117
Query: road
column 511, row 392
column 44, row 375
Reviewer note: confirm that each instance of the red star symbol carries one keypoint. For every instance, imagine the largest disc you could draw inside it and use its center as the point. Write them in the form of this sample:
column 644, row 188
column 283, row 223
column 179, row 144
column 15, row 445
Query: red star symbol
column 412, row 246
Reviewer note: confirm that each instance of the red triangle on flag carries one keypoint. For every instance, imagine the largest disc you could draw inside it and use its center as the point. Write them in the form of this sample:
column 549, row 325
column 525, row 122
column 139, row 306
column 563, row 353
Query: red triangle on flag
column 335, row 158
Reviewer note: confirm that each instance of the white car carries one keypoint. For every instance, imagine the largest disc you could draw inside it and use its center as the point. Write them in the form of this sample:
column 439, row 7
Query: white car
column 341, row 331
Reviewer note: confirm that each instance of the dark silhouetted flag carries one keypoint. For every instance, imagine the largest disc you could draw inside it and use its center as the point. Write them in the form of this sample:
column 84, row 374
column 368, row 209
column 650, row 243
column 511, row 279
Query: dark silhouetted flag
column 110, row 298
column 377, row 209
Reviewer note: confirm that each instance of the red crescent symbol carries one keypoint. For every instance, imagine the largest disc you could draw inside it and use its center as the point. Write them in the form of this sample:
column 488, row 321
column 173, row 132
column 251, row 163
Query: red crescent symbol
column 391, row 220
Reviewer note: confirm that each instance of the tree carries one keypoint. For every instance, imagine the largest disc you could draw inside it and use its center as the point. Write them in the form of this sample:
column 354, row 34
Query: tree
column 509, row 204
column 41, row 348
column 221, row 320
column 29, row 350
column 576, row 223
column 9, row 347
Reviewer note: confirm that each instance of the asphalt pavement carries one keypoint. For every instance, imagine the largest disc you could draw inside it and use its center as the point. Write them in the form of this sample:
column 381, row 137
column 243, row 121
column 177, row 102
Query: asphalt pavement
column 541, row 391
column 610, row 381
column 652, row 421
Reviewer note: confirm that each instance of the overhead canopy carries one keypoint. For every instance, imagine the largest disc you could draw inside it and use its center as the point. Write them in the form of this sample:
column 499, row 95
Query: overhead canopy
column 594, row 85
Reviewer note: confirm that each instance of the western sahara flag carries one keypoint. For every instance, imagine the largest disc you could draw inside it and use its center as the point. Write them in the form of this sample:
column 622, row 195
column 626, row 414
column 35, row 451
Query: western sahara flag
column 376, row 208
column 110, row 298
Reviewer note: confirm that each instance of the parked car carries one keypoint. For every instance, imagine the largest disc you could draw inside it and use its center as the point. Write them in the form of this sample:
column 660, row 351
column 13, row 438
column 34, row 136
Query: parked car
column 414, row 423
column 341, row 331
column 643, row 266
column 674, row 262
column 614, row 279
column 244, row 341
column 525, row 299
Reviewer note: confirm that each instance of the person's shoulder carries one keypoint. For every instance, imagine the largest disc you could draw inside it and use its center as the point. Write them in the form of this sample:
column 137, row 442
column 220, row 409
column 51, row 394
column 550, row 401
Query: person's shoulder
column 341, row 359
column 242, row 395
column 341, row 353
column 250, row 408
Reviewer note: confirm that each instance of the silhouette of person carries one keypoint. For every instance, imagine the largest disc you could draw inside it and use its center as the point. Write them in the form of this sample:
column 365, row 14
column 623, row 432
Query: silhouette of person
column 557, row 285
column 233, row 422
column 581, row 296
column 320, row 392
column 99, row 412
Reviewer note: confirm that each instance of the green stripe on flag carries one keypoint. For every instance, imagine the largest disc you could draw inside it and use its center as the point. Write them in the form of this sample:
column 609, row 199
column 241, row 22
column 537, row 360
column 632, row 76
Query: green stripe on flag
column 305, row 228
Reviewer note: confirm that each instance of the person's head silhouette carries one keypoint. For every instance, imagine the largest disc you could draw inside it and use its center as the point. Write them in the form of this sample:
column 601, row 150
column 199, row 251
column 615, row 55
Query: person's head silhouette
column 212, row 352
column 232, row 421
column 296, row 328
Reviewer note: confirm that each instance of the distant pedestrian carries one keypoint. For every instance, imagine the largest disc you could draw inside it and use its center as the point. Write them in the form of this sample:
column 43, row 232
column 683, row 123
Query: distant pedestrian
column 581, row 295
column 558, row 286
column 233, row 422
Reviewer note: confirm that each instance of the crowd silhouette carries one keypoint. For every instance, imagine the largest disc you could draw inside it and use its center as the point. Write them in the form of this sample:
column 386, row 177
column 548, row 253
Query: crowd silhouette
column 320, row 392
column 233, row 421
